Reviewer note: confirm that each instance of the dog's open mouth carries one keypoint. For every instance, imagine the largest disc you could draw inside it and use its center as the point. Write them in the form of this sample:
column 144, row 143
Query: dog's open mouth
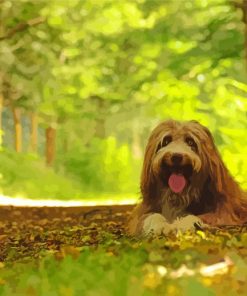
column 177, row 177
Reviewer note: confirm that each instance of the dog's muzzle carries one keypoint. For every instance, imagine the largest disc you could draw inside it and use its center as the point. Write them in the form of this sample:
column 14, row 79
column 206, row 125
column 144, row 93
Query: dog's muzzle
column 175, row 174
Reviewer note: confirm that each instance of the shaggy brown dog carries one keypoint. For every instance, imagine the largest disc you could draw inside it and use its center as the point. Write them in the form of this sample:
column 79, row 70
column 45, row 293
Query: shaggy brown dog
column 184, row 182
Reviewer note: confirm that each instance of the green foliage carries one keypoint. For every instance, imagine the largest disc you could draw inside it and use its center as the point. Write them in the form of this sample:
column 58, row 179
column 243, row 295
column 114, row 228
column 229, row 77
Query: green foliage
column 26, row 176
column 114, row 63
column 98, row 272
column 104, row 166
column 187, row 264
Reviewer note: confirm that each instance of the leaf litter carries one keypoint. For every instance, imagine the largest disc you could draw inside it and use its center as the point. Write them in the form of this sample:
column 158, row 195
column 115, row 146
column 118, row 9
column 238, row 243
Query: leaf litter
column 212, row 261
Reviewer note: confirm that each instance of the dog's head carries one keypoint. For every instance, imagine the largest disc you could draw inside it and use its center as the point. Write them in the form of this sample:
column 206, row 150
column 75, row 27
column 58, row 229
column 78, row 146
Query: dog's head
column 181, row 159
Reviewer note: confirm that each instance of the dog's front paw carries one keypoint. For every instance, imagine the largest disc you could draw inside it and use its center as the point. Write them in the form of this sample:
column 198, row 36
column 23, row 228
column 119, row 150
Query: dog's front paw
column 155, row 225
column 189, row 222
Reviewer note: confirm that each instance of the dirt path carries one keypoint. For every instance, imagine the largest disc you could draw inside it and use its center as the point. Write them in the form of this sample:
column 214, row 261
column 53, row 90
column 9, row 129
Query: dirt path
column 26, row 232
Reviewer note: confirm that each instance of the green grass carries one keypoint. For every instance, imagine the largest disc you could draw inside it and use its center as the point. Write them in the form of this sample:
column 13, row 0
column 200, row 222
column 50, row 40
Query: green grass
column 27, row 176
column 125, row 267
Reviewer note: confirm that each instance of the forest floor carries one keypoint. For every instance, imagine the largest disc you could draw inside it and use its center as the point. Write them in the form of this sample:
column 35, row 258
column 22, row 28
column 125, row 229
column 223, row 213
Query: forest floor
column 85, row 251
column 25, row 231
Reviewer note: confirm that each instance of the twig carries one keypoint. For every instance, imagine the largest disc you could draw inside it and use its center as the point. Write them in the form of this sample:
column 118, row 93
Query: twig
column 22, row 27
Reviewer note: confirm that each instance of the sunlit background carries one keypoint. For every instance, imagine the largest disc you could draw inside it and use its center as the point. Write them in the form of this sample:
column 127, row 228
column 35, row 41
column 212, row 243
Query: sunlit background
column 84, row 82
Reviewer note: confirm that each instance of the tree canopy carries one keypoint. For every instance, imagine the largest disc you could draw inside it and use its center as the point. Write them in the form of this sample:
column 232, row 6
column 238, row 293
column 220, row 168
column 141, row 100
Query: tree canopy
column 110, row 70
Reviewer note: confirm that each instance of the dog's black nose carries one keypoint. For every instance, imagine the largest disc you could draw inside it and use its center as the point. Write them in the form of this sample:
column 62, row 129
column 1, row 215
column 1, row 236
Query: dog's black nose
column 177, row 158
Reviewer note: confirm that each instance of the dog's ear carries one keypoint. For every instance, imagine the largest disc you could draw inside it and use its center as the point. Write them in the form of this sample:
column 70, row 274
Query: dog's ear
column 148, row 184
column 218, row 173
column 228, row 200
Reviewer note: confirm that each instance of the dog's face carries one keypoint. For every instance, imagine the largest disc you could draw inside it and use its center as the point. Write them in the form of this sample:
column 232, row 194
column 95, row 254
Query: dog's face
column 176, row 159
column 180, row 157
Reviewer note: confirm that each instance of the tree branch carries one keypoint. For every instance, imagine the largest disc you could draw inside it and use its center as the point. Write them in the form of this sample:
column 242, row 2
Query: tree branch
column 238, row 4
column 22, row 27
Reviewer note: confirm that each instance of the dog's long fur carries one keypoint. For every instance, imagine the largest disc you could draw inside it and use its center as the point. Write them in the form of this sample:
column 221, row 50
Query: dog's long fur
column 211, row 193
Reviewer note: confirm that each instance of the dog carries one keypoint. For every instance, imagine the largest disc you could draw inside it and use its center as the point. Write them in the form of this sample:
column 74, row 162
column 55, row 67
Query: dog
column 184, row 183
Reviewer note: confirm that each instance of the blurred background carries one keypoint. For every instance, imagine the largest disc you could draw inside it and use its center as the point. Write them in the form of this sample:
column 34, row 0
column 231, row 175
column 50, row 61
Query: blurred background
column 84, row 82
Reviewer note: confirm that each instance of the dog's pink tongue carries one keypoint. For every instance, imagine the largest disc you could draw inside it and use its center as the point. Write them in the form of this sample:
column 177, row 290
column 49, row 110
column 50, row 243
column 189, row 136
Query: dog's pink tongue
column 176, row 183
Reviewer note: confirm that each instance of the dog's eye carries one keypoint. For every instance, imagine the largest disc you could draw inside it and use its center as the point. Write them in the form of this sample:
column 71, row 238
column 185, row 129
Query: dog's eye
column 191, row 143
column 166, row 140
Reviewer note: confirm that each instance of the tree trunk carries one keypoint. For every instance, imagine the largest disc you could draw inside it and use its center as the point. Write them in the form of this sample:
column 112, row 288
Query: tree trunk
column 101, row 116
column 65, row 138
column 34, row 132
column 50, row 145
column 136, row 141
column 65, row 145
column 18, row 129
column 1, row 126
column 244, row 9
column 100, row 127
column 1, row 106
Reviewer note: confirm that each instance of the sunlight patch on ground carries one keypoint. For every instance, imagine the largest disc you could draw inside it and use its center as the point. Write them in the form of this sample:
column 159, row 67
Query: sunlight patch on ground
column 205, row 270
column 25, row 202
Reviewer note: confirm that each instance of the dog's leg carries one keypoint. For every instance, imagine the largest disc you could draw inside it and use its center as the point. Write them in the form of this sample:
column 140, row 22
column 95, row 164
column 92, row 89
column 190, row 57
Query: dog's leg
column 156, row 224
column 189, row 222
